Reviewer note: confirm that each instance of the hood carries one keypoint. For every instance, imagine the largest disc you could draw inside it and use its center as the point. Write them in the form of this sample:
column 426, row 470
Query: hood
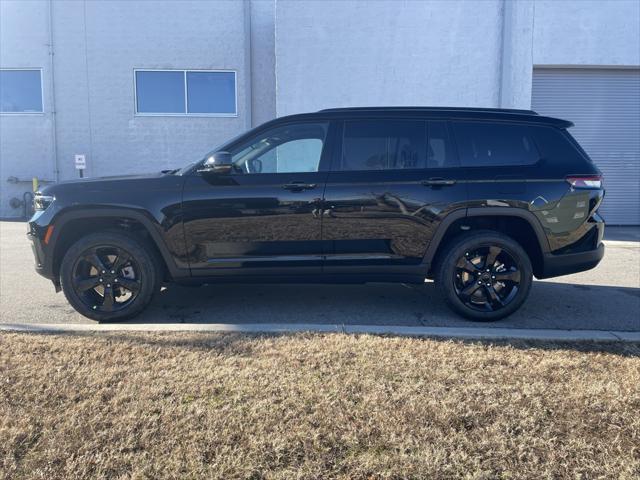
column 101, row 183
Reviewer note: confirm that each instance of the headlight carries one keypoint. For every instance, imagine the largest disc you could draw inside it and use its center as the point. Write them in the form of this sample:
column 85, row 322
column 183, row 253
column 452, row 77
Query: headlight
column 41, row 202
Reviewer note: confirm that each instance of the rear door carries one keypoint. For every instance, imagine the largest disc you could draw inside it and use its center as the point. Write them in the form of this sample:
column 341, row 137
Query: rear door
column 389, row 187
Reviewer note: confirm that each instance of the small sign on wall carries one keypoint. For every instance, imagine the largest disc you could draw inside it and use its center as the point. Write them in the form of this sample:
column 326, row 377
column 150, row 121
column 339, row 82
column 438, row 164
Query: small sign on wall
column 81, row 162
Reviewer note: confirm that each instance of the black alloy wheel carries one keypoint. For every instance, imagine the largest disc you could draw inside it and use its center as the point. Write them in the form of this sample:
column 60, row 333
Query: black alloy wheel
column 106, row 278
column 484, row 275
column 487, row 279
column 110, row 276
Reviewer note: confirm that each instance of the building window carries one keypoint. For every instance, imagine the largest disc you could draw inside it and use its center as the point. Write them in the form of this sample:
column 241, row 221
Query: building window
column 21, row 90
column 186, row 92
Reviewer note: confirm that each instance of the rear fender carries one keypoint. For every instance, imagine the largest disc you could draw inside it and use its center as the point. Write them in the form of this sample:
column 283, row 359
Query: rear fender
column 447, row 222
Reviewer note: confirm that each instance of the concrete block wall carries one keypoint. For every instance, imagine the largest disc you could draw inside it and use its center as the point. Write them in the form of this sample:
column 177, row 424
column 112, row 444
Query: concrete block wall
column 89, row 83
column 459, row 53
column 351, row 53
column 26, row 141
column 587, row 33
column 290, row 56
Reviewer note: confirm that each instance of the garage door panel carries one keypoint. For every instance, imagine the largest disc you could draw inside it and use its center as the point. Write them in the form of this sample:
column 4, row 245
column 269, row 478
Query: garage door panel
column 604, row 104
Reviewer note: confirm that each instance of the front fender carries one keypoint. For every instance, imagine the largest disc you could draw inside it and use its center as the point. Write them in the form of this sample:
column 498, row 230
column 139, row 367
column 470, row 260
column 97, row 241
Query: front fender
column 167, row 235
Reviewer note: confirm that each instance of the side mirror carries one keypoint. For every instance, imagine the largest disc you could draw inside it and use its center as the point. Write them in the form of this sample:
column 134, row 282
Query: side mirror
column 218, row 162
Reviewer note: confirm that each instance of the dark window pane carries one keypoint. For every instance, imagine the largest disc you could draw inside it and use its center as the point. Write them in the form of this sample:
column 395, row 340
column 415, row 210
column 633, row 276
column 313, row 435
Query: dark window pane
column 557, row 146
column 160, row 92
column 286, row 149
column 383, row 145
column 493, row 144
column 20, row 91
column 211, row 92
column 440, row 153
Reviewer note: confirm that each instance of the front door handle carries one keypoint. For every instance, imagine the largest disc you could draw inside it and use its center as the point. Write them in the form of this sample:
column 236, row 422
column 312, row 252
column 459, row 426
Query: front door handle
column 438, row 182
column 299, row 186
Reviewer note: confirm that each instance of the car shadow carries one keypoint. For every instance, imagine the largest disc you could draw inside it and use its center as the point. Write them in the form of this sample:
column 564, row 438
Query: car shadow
column 551, row 305
column 244, row 344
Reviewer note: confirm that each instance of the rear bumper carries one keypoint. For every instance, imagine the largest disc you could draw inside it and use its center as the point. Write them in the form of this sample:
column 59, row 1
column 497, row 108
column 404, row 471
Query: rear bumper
column 557, row 265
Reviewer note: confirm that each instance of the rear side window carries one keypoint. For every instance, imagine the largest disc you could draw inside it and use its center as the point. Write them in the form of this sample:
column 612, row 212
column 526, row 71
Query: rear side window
column 483, row 144
column 383, row 145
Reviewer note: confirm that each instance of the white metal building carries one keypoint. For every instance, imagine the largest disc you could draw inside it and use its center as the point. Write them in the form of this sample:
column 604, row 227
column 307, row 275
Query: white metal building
column 148, row 85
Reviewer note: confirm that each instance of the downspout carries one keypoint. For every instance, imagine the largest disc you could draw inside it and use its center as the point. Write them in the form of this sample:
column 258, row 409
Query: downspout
column 505, row 54
column 516, row 55
column 248, row 79
column 54, row 130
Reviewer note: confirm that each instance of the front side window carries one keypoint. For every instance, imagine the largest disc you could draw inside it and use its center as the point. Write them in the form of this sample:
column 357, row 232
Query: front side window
column 185, row 92
column 383, row 145
column 292, row 148
column 21, row 91
column 483, row 144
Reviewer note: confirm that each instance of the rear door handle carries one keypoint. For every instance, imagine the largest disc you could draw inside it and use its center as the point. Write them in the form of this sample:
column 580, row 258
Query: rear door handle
column 299, row 186
column 438, row 182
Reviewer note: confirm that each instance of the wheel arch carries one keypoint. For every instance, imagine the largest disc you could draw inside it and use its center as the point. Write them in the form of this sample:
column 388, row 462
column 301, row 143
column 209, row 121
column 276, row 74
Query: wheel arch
column 519, row 224
column 72, row 225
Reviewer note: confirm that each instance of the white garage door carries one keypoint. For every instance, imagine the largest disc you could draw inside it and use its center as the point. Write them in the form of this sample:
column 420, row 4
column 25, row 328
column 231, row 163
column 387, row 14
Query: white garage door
column 604, row 104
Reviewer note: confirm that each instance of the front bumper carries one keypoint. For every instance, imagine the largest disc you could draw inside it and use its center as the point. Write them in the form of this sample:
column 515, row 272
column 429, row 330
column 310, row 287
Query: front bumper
column 42, row 252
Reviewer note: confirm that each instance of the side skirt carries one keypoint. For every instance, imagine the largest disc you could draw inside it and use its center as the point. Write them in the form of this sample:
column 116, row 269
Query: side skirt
column 319, row 279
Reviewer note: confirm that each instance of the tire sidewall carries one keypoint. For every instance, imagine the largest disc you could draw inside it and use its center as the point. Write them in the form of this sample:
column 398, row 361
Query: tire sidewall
column 145, row 262
column 446, row 273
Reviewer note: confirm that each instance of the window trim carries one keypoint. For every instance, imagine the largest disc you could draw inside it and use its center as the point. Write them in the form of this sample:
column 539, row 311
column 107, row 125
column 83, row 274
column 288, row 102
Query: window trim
column 184, row 71
column 28, row 69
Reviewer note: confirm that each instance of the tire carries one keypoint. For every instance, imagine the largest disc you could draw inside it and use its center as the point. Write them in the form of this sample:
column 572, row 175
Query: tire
column 470, row 290
column 119, row 294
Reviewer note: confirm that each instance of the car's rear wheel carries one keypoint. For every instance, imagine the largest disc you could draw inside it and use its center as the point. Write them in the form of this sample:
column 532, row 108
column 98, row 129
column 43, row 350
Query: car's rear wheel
column 109, row 276
column 484, row 275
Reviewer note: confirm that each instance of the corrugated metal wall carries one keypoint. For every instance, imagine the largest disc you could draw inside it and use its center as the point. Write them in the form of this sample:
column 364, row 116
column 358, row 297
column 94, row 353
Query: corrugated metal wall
column 604, row 104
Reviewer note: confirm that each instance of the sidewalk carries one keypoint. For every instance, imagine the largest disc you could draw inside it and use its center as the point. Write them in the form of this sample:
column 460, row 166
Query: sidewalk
column 440, row 332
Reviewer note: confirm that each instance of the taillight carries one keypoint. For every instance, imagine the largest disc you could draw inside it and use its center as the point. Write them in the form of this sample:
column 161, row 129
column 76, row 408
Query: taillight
column 585, row 181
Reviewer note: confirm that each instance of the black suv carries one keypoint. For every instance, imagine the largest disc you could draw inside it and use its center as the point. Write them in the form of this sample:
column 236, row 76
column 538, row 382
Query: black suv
column 478, row 199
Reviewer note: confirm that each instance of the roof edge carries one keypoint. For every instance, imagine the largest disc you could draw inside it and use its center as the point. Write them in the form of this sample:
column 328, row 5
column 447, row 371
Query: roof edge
column 430, row 109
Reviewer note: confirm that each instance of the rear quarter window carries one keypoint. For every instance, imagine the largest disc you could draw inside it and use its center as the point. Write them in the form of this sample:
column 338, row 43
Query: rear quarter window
column 559, row 147
column 484, row 144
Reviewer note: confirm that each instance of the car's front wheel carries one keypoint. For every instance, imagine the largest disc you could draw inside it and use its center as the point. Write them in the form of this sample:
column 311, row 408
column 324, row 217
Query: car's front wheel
column 484, row 275
column 109, row 276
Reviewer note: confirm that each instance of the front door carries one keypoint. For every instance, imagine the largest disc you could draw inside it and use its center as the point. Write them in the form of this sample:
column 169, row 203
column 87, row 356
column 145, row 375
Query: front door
column 266, row 214
column 390, row 185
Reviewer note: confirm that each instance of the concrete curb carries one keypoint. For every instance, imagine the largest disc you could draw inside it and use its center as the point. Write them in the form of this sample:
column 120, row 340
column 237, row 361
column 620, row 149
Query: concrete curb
column 440, row 332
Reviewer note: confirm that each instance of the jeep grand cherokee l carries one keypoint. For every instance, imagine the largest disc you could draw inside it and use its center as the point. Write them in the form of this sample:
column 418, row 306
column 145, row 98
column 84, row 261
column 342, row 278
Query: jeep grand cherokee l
column 480, row 200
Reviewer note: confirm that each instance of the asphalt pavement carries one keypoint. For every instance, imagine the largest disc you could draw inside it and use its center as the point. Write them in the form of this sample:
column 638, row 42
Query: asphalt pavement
column 606, row 298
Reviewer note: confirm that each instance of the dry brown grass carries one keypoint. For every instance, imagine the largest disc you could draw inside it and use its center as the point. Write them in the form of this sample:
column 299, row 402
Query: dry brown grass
column 314, row 406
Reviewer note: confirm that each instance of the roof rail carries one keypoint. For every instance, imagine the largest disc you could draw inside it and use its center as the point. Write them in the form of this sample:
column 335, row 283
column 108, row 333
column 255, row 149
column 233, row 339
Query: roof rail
column 433, row 109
